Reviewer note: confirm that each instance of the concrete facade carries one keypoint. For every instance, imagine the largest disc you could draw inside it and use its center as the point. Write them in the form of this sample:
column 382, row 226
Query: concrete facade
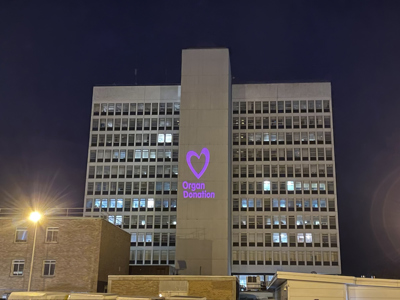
column 131, row 164
column 271, row 175
column 202, row 224
column 283, row 138
column 209, row 287
column 84, row 252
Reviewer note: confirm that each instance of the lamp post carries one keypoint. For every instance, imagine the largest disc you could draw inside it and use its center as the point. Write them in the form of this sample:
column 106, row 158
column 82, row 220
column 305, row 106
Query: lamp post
column 34, row 217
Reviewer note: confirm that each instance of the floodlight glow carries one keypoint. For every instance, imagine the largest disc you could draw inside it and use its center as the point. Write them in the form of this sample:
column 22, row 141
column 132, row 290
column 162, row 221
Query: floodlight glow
column 35, row 216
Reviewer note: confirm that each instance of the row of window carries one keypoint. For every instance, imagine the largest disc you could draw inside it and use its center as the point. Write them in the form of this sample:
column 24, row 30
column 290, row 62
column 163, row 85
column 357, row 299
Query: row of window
column 293, row 258
column 18, row 266
column 250, row 171
column 290, row 204
column 144, row 239
column 144, row 221
column 283, row 221
column 132, row 188
column 243, row 187
column 283, row 154
column 283, row 187
column 130, row 171
column 135, row 124
column 160, row 139
column 152, row 257
column 282, row 138
column 128, row 204
column 138, row 155
column 21, row 235
column 287, row 122
column 154, row 108
column 288, row 106
column 242, row 171
column 284, row 239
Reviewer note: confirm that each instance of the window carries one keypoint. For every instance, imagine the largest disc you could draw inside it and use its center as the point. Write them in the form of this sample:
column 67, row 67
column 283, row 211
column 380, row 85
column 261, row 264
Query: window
column 17, row 268
column 49, row 267
column 52, row 233
column 267, row 186
column 21, row 235
column 300, row 237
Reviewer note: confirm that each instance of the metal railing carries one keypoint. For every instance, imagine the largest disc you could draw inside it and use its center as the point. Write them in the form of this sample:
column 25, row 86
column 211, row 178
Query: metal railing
column 53, row 212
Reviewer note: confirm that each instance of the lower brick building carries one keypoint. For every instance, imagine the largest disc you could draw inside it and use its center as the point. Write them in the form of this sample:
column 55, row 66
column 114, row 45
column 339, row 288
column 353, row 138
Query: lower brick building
column 71, row 254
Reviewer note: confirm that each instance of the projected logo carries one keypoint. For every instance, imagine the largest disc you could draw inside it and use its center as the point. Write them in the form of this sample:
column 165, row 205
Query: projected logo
column 197, row 189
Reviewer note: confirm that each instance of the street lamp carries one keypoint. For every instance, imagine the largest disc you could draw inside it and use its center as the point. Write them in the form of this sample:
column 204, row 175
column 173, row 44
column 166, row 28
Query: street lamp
column 34, row 217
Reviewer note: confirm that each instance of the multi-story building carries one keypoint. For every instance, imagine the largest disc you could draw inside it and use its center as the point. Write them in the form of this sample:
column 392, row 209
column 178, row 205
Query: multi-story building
column 70, row 254
column 230, row 178
column 133, row 167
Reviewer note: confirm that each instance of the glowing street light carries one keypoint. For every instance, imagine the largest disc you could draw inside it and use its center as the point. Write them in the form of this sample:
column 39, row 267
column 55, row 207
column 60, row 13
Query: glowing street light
column 34, row 217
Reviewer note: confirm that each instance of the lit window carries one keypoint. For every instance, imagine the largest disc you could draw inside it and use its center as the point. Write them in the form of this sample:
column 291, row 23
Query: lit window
column 314, row 186
column 161, row 138
column 244, row 203
column 300, row 237
column 284, row 237
column 299, row 221
column 267, row 185
column 168, row 138
column 21, row 235
column 290, row 185
column 111, row 219
column 150, row 203
column 275, row 237
column 308, row 237
column 49, row 267
column 52, row 235
column 282, row 203
column 112, row 203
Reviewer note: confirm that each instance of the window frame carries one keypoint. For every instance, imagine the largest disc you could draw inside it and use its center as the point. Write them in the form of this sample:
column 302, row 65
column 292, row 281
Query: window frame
column 50, row 262
column 52, row 230
column 21, row 229
column 14, row 263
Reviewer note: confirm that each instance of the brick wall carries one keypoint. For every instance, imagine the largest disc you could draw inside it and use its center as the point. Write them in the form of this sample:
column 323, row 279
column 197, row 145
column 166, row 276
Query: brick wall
column 77, row 254
column 211, row 287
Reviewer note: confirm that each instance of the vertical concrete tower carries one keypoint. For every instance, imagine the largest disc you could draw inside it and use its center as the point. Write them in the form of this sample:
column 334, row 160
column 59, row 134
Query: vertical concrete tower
column 203, row 222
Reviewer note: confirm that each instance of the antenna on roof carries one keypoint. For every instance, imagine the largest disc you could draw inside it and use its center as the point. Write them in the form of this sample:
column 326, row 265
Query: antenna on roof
column 135, row 76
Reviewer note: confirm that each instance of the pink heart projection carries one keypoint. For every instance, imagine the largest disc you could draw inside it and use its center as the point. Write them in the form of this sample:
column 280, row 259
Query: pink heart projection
column 188, row 160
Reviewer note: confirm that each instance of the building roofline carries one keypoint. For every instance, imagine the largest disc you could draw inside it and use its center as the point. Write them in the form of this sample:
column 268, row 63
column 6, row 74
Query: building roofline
column 280, row 277
column 137, row 85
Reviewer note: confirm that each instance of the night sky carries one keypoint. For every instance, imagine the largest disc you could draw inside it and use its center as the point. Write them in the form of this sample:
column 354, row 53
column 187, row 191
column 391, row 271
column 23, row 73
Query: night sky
column 52, row 53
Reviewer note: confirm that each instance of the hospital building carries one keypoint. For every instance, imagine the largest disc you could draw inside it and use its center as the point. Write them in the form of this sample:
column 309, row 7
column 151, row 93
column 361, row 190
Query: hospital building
column 215, row 178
